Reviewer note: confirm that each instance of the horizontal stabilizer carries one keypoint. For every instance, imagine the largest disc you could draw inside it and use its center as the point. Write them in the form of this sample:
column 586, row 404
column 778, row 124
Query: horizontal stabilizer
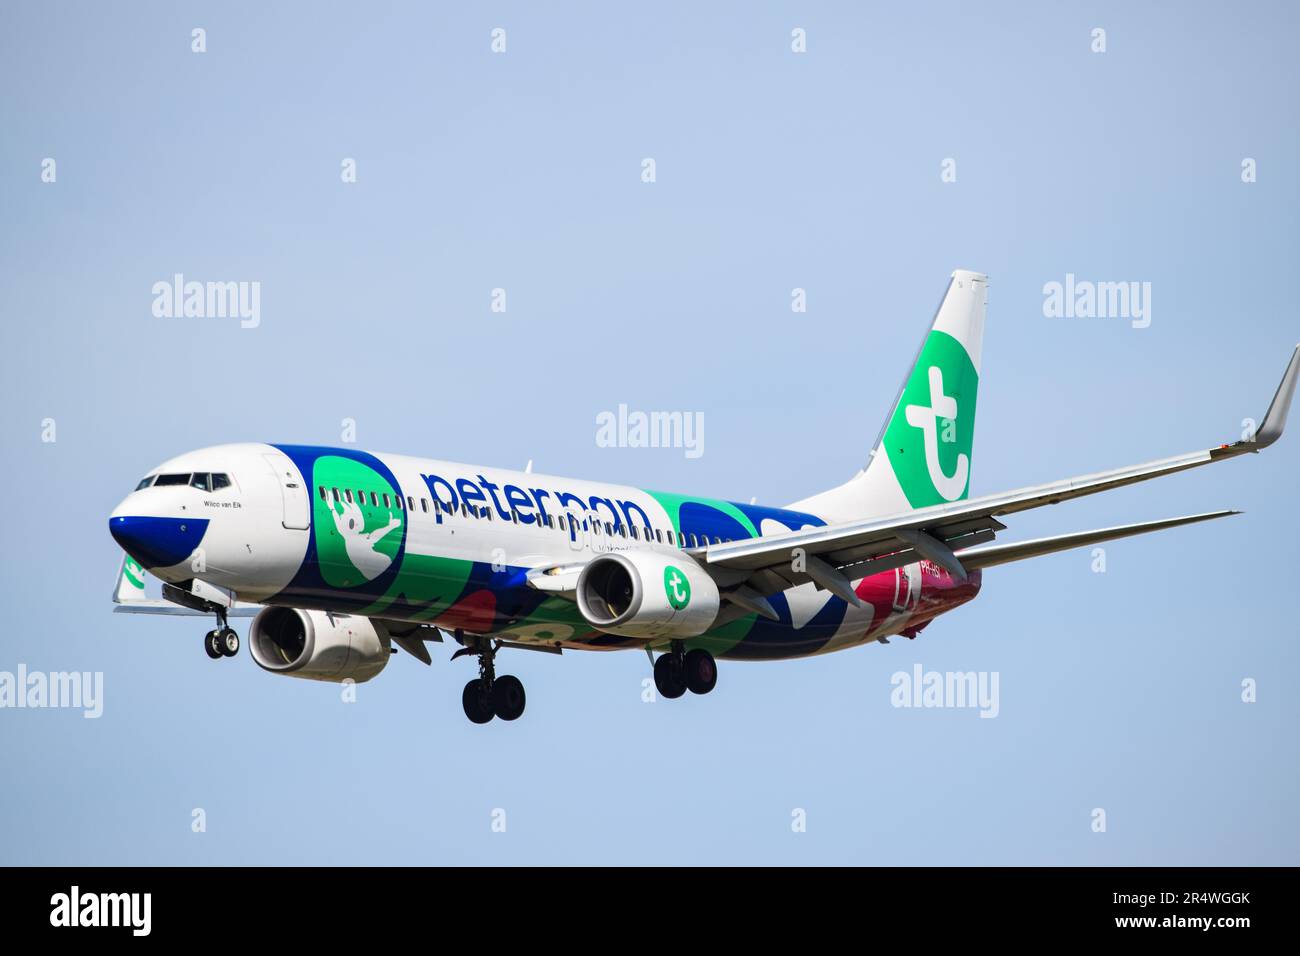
column 988, row 555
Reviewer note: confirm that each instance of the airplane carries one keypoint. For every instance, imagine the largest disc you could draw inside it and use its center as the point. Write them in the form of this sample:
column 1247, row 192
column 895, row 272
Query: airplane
column 341, row 556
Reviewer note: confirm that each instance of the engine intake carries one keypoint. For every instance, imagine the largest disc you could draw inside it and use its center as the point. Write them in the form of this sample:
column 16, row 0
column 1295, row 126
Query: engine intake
column 647, row 594
column 318, row 645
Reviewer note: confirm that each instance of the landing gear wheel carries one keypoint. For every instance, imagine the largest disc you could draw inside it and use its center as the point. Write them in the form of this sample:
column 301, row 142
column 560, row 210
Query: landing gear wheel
column 508, row 697
column 229, row 640
column 700, row 671
column 477, row 702
column 668, row 677
column 212, row 644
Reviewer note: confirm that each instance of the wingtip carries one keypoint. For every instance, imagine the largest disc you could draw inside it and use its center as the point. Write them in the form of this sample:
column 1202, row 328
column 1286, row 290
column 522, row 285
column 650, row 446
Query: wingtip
column 1275, row 418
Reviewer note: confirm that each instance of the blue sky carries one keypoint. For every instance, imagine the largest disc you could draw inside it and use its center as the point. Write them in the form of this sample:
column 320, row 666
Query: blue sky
column 775, row 170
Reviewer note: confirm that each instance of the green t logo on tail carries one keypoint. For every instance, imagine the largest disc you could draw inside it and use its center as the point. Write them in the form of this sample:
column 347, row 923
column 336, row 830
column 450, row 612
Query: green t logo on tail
column 677, row 588
column 930, row 436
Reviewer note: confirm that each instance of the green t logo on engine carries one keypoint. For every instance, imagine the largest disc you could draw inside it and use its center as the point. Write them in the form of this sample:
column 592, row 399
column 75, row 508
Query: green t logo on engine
column 677, row 588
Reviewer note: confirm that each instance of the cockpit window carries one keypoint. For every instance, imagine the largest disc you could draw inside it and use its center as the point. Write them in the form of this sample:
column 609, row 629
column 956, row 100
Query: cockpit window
column 202, row 480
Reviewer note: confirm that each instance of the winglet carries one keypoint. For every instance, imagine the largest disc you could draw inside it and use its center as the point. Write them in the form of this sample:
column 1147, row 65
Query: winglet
column 130, row 582
column 1275, row 417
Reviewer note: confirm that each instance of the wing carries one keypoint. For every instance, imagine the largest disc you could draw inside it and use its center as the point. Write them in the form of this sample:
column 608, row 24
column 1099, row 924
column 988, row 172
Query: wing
column 833, row 555
column 200, row 600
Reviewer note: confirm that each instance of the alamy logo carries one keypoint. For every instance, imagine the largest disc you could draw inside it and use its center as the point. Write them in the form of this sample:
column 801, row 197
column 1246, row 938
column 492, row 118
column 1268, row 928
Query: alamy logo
column 1083, row 299
column 927, row 417
column 103, row 909
column 71, row 690
column 677, row 588
column 637, row 429
column 208, row 300
column 975, row 690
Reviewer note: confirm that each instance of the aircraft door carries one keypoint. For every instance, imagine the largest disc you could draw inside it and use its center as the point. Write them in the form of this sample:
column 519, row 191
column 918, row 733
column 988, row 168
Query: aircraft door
column 907, row 587
column 296, row 499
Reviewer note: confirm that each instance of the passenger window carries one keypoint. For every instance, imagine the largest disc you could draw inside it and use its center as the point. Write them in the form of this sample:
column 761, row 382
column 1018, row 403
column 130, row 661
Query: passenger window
column 659, row 536
column 386, row 504
column 347, row 493
column 336, row 496
column 424, row 505
column 410, row 503
column 322, row 492
column 670, row 537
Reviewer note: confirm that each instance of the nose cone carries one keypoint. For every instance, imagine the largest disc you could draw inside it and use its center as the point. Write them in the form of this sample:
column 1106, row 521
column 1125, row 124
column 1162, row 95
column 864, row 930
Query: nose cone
column 157, row 542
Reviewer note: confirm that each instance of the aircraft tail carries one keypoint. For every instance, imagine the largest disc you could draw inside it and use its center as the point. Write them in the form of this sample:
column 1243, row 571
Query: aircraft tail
column 922, row 456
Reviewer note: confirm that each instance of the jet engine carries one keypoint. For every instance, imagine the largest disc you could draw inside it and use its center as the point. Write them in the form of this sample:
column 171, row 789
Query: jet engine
column 318, row 645
column 647, row 594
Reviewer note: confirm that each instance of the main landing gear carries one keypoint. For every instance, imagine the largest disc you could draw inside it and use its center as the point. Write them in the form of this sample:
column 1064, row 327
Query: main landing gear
column 222, row 641
column 488, row 695
column 680, row 670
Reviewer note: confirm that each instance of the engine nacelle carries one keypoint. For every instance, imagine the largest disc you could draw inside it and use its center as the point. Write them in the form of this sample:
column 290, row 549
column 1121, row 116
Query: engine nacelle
column 318, row 645
column 647, row 594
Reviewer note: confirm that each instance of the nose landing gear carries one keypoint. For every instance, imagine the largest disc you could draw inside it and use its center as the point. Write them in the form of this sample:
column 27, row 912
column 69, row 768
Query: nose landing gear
column 489, row 696
column 222, row 641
